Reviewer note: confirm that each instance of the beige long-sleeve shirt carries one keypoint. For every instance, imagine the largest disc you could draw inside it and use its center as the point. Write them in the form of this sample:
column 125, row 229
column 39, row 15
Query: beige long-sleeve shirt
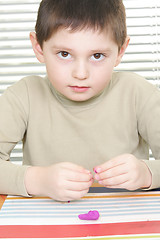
column 124, row 118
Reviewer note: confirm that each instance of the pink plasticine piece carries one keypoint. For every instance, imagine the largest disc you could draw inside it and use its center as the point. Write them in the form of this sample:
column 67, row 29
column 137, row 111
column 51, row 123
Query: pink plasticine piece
column 91, row 215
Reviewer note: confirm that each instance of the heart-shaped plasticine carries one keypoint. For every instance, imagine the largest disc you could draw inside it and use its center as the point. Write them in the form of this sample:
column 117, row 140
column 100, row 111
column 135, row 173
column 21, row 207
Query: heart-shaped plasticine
column 91, row 215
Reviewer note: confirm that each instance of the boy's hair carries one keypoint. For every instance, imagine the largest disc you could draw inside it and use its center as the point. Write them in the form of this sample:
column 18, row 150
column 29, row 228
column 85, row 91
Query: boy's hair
column 81, row 14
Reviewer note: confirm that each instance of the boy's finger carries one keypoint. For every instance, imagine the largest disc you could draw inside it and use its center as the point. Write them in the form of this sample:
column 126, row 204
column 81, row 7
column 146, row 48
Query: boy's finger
column 78, row 176
column 75, row 167
column 112, row 172
column 119, row 160
column 79, row 186
column 114, row 181
column 74, row 195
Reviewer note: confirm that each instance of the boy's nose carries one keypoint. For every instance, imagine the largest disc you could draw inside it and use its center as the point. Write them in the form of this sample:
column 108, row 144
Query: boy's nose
column 80, row 70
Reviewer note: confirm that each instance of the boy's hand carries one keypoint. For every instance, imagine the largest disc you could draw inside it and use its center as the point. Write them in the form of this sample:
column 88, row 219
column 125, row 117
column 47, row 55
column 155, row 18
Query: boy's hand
column 62, row 181
column 124, row 171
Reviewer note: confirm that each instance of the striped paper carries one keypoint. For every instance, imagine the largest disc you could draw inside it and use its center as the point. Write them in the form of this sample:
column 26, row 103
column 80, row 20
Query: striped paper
column 126, row 213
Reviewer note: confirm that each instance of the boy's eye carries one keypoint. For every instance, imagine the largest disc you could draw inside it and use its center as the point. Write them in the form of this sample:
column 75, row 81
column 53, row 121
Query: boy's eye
column 64, row 55
column 97, row 56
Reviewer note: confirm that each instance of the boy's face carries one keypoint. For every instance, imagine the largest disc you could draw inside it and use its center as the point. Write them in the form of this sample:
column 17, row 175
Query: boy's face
column 79, row 64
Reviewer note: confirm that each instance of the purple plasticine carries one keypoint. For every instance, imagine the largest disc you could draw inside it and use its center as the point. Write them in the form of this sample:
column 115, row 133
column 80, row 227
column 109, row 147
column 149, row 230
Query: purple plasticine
column 91, row 215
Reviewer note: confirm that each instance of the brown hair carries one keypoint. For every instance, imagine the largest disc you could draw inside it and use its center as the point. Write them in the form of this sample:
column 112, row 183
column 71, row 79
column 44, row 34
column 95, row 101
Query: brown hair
column 81, row 14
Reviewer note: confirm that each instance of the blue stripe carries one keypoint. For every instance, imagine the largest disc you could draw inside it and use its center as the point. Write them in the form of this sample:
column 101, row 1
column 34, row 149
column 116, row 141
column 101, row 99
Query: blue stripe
column 105, row 202
column 52, row 208
column 125, row 199
column 113, row 211
column 70, row 216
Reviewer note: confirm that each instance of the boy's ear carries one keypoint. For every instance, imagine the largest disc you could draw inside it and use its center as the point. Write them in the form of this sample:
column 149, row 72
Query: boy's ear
column 122, row 50
column 36, row 47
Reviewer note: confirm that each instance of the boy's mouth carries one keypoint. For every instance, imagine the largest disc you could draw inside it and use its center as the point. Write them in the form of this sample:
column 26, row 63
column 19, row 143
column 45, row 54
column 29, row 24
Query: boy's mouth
column 79, row 89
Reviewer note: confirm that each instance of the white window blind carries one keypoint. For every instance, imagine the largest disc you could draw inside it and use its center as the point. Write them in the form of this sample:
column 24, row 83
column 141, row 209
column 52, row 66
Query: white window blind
column 17, row 19
column 143, row 53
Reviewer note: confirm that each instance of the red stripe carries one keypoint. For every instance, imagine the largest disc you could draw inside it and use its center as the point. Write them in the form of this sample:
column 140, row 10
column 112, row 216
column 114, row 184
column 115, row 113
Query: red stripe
column 68, row 231
column 4, row 197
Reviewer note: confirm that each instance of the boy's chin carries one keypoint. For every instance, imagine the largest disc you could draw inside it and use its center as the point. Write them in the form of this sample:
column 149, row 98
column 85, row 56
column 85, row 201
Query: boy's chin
column 80, row 98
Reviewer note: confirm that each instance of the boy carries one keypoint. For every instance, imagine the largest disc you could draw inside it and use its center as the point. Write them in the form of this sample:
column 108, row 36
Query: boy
column 82, row 116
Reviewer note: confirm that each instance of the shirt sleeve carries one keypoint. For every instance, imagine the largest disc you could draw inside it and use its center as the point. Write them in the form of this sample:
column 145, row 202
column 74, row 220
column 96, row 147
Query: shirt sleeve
column 14, row 110
column 149, row 129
